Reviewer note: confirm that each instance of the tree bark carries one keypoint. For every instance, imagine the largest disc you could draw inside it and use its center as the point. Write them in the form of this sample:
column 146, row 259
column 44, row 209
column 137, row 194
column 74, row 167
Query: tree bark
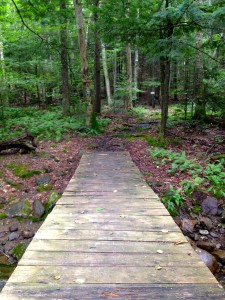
column 84, row 61
column 136, row 71
column 106, row 74
column 97, row 63
column 129, row 98
column 64, row 61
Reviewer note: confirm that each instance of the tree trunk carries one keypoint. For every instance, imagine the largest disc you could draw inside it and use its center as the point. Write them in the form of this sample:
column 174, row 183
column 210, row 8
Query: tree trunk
column 106, row 74
column 64, row 61
column 83, row 58
column 136, row 71
column 129, row 98
column 200, row 112
column 114, row 71
column 165, row 84
column 97, row 63
column 165, row 68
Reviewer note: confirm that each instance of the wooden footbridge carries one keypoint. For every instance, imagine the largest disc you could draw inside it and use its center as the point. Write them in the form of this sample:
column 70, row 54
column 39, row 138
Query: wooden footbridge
column 109, row 237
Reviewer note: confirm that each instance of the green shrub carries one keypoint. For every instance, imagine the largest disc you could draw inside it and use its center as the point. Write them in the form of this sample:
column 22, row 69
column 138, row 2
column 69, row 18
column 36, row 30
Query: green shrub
column 173, row 200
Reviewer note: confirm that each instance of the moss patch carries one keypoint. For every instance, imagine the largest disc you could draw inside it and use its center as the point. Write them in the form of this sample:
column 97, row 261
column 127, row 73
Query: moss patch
column 18, row 251
column 3, row 215
column 44, row 188
column 21, row 171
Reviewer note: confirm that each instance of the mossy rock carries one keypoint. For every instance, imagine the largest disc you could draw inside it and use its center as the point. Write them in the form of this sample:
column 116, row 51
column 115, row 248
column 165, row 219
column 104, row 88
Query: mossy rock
column 18, row 251
column 52, row 199
column 21, row 209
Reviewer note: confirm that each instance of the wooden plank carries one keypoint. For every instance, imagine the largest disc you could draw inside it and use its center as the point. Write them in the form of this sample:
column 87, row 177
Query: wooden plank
column 54, row 258
column 90, row 246
column 155, row 223
column 106, row 235
column 116, row 275
column 108, row 210
column 73, row 291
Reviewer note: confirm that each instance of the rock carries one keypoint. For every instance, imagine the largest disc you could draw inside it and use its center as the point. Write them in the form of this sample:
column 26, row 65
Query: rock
column 45, row 179
column 208, row 259
column 198, row 196
column 206, row 223
column 38, row 209
column 203, row 232
column 220, row 255
column 206, row 246
column 48, row 170
column 210, row 206
column 13, row 228
column 3, row 259
column 218, row 246
column 213, row 234
column 13, row 236
column 27, row 234
column 21, row 208
column 2, row 200
column 187, row 225
column 52, row 199
column 11, row 260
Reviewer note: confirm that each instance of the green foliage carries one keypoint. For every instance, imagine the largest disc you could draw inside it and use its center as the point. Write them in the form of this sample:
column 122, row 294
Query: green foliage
column 173, row 200
column 211, row 178
column 18, row 251
column 21, row 171
column 157, row 142
column 44, row 188
column 14, row 184
column 3, row 215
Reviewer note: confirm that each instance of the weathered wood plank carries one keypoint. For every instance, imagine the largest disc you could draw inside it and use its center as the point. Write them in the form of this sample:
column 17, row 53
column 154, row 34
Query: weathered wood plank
column 109, row 209
column 54, row 258
column 121, row 292
column 109, row 246
column 106, row 235
column 156, row 223
column 108, row 275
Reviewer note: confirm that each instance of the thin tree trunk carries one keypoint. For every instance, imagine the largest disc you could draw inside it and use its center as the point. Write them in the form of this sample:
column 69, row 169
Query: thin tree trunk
column 83, row 58
column 97, row 63
column 129, row 98
column 114, row 71
column 64, row 61
column 136, row 71
column 199, row 112
column 106, row 74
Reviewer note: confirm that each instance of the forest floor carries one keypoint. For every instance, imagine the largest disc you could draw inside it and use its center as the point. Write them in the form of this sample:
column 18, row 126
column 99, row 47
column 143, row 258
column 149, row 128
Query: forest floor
column 51, row 167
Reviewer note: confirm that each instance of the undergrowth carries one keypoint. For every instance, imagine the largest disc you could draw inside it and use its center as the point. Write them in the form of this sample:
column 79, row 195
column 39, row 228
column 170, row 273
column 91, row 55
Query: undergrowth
column 45, row 124
column 209, row 178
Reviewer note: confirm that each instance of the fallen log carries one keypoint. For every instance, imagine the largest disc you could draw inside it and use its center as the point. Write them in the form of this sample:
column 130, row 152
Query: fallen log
column 24, row 144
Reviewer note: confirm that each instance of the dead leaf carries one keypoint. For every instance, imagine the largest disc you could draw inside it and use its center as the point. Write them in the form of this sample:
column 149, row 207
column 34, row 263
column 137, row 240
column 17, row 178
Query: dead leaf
column 180, row 242
column 158, row 267
column 160, row 251
column 109, row 294
column 57, row 277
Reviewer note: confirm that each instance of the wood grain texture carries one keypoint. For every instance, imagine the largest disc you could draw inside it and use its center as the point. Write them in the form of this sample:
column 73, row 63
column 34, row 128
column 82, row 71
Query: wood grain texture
column 108, row 237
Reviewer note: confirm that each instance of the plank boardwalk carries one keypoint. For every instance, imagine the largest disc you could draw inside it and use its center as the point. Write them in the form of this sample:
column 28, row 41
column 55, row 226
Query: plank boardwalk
column 109, row 237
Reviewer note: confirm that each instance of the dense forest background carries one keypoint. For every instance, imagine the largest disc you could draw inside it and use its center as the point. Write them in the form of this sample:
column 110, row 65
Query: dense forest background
column 81, row 55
